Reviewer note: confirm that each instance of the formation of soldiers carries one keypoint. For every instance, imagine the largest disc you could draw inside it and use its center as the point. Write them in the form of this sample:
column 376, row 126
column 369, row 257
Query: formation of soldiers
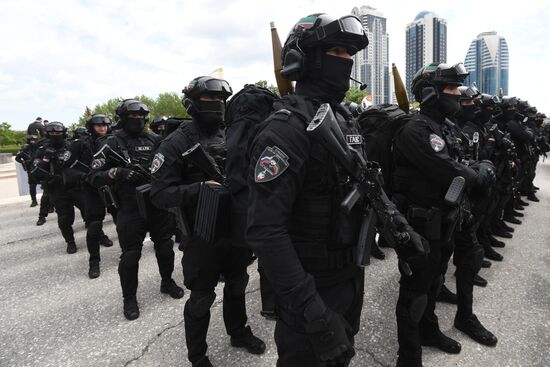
column 291, row 181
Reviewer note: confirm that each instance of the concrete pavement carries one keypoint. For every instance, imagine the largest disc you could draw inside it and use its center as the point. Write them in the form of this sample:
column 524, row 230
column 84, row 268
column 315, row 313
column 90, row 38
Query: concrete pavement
column 51, row 314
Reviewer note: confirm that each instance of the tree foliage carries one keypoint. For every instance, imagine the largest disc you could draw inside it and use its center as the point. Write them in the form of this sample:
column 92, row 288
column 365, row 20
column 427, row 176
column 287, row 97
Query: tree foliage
column 11, row 137
column 166, row 104
column 271, row 87
column 354, row 94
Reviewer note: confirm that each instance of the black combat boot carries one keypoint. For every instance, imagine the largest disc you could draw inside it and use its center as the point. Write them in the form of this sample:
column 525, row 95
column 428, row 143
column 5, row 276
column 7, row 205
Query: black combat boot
column 131, row 309
column 500, row 232
column 71, row 247
column 446, row 295
column 105, row 241
column 34, row 203
column 511, row 219
column 519, row 207
column 40, row 221
column 376, row 252
column 473, row 328
column 442, row 342
column 492, row 254
column 486, row 263
column 247, row 340
column 94, row 270
column 515, row 213
column 480, row 281
column 523, row 203
column 171, row 288
column 506, row 227
column 203, row 362
column 496, row 243
column 533, row 197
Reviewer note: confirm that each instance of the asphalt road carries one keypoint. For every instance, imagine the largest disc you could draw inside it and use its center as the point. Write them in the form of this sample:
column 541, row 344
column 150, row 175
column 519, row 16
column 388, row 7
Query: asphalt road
column 51, row 314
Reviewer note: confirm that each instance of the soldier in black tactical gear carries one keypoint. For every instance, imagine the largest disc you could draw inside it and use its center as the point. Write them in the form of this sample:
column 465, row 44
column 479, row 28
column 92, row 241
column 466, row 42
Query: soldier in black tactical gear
column 79, row 166
column 49, row 167
column 79, row 133
column 123, row 162
column 177, row 182
column 486, row 140
column 25, row 158
column 307, row 245
column 422, row 175
column 158, row 125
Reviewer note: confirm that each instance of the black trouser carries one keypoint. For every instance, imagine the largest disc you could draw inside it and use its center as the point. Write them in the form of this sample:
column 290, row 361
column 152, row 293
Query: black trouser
column 95, row 214
column 266, row 291
column 64, row 201
column 467, row 258
column 202, row 266
column 415, row 310
column 32, row 191
column 131, row 229
column 293, row 345
column 45, row 203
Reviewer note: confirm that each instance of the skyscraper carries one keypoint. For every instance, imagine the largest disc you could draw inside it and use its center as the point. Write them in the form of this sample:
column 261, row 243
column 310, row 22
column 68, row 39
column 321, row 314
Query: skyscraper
column 426, row 42
column 487, row 61
column 370, row 66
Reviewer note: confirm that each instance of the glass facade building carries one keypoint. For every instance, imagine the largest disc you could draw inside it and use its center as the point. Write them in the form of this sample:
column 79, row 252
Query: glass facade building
column 371, row 65
column 425, row 42
column 488, row 61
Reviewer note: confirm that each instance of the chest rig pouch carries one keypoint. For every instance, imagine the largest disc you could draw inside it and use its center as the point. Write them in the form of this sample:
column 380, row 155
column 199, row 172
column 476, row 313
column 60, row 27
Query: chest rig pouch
column 324, row 236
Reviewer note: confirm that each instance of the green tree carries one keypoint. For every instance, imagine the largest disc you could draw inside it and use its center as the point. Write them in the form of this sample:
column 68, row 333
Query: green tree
column 169, row 104
column 11, row 137
column 354, row 94
column 271, row 87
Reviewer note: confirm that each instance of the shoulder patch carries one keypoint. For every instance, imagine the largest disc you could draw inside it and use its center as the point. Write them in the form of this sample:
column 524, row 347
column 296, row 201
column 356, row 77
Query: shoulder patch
column 271, row 164
column 354, row 139
column 157, row 162
column 98, row 163
column 67, row 155
column 437, row 142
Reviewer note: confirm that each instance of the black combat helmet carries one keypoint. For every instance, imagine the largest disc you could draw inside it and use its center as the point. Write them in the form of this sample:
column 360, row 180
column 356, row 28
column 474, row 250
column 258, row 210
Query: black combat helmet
column 97, row 119
column 315, row 34
column 158, row 125
column 79, row 132
column 487, row 100
column 201, row 86
column 509, row 103
column 429, row 82
column 469, row 93
column 56, row 132
column 132, row 125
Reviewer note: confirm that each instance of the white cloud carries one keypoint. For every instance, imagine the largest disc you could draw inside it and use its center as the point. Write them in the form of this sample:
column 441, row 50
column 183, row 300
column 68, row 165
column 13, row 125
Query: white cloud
column 57, row 57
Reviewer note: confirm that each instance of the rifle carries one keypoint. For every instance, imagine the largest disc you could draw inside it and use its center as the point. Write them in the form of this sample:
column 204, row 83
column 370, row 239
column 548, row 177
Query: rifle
column 368, row 183
column 107, row 153
column 284, row 85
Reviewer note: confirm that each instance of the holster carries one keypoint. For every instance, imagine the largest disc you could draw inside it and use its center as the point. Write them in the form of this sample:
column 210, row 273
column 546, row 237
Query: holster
column 430, row 219
column 108, row 197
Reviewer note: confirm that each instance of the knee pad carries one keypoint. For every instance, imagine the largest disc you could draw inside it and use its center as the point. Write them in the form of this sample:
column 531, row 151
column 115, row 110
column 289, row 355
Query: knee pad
column 417, row 307
column 130, row 257
column 94, row 228
column 199, row 303
column 235, row 287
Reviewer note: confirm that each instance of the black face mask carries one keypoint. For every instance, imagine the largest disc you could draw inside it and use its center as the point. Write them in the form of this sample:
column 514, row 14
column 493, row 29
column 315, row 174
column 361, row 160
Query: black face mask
column 329, row 84
column 448, row 104
column 57, row 140
column 509, row 114
column 484, row 116
column 467, row 113
column 134, row 126
column 209, row 115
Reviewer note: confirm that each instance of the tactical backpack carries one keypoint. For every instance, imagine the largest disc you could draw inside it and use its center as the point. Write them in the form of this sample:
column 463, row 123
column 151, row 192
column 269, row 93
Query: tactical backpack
column 245, row 112
column 378, row 125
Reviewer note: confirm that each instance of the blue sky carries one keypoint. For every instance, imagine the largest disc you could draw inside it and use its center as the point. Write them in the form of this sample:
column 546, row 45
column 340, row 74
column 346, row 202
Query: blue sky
column 58, row 57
